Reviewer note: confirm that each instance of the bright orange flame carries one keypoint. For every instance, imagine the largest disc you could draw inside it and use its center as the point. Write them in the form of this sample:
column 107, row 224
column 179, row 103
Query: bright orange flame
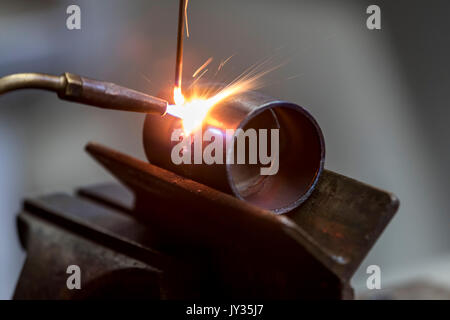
column 194, row 109
column 178, row 96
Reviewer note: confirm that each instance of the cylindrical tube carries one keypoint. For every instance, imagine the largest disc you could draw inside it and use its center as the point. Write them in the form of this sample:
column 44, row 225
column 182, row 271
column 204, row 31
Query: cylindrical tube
column 42, row 81
column 301, row 150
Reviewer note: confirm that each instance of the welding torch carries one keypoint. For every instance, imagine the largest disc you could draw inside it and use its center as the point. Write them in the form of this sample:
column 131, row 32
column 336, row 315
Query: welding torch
column 72, row 87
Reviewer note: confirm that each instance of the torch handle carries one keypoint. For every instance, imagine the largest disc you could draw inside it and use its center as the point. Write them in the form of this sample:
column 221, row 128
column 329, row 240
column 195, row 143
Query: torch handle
column 109, row 95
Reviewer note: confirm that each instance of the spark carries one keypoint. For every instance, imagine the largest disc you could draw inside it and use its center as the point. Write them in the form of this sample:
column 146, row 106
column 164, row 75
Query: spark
column 198, row 78
column 186, row 18
column 194, row 109
column 222, row 63
column 203, row 66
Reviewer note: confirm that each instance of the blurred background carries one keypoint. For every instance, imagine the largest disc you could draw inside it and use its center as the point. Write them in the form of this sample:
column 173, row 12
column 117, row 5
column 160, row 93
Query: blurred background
column 380, row 96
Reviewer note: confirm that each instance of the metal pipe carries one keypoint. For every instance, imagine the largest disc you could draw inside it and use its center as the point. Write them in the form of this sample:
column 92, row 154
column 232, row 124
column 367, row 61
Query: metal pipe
column 72, row 87
column 301, row 151
column 180, row 38
column 31, row 81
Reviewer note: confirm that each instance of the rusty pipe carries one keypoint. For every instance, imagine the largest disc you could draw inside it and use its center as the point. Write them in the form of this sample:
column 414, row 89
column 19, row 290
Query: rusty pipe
column 74, row 88
column 301, row 151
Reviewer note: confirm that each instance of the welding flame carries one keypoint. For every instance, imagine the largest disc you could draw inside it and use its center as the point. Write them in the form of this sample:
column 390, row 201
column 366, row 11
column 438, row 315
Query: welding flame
column 192, row 112
column 178, row 96
column 194, row 109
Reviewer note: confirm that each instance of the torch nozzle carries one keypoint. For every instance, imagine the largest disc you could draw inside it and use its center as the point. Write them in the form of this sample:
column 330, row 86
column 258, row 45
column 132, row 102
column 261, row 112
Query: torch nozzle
column 96, row 93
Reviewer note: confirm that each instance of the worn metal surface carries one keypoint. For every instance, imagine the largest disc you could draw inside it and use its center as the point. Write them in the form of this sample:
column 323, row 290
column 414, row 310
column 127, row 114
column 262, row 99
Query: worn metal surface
column 345, row 217
column 61, row 230
column 194, row 241
column 301, row 150
column 105, row 272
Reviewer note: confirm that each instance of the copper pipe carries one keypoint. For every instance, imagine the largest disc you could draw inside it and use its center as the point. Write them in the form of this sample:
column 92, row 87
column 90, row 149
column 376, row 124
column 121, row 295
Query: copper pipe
column 301, row 153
